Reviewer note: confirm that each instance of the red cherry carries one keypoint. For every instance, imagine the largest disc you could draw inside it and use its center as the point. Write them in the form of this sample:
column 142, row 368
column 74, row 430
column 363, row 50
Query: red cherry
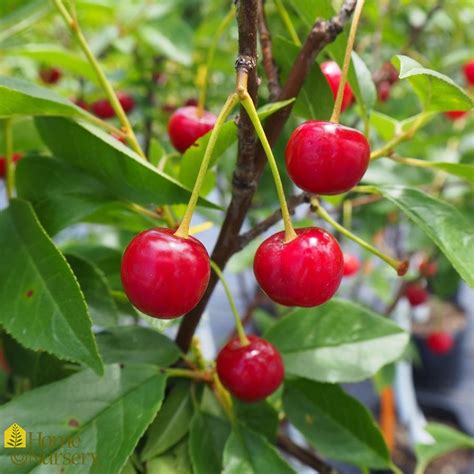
column 82, row 104
column 50, row 75
column 390, row 72
column 165, row 275
column 306, row 271
column 3, row 163
column 332, row 72
column 416, row 294
column 251, row 372
column 351, row 265
column 4, row 363
column 103, row 109
column 326, row 157
column 384, row 91
column 455, row 114
column 468, row 70
column 119, row 138
column 126, row 101
column 191, row 101
column 185, row 127
column 440, row 342
column 428, row 268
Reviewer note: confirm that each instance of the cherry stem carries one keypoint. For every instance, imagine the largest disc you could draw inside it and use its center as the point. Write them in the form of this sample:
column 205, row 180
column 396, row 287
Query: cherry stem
column 203, row 74
column 9, row 165
column 190, row 374
column 238, row 322
column 104, row 82
column 285, row 17
column 249, row 106
column 197, row 353
column 223, row 396
column 183, row 229
column 336, row 112
column 400, row 267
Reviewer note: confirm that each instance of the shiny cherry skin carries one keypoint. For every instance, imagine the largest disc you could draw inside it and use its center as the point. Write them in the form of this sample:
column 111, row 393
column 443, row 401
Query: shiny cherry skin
column 326, row 157
column 416, row 294
column 428, row 268
column 126, row 101
column 185, row 127
column 440, row 342
column 351, row 265
column 50, row 75
column 306, row 271
column 164, row 275
column 384, row 91
column 468, row 70
column 455, row 114
column 332, row 72
column 3, row 163
column 103, row 109
column 252, row 372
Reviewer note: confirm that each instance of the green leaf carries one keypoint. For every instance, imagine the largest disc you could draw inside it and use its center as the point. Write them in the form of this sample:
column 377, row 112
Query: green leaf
column 207, row 441
column 336, row 424
column 171, row 423
column 260, row 417
column 115, row 165
column 192, row 158
column 442, row 223
column 339, row 341
column 106, row 416
column 386, row 126
column 436, row 91
column 460, row 170
column 52, row 55
column 25, row 136
column 366, row 85
column 96, row 290
column 446, row 440
column 41, row 304
column 136, row 345
column 175, row 461
column 19, row 97
column 246, row 452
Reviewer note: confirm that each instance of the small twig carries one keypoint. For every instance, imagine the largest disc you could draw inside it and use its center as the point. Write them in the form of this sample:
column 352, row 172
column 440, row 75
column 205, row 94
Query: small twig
column 267, row 52
column 304, row 455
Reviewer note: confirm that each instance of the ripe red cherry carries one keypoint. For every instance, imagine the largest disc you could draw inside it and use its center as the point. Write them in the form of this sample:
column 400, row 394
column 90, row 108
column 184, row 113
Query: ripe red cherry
column 428, row 268
column 191, row 101
column 468, row 70
column 306, row 271
column 50, row 75
column 103, row 109
column 165, row 275
column 126, row 101
column 351, row 265
column 416, row 294
column 185, row 127
column 326, row 157
column 3, row 163
column 384, row 91
column 82, row 104
column 332, row 72
column 455, row 114
column 251, row 372
column 440, row 342
column 4, row 363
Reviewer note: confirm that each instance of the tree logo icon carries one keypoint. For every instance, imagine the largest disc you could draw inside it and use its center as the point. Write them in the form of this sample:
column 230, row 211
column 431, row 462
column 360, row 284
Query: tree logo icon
column 14, row 437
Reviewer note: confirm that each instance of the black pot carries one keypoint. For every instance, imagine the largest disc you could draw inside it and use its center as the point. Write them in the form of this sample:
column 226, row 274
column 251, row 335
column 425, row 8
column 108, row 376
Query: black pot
column 439, row 371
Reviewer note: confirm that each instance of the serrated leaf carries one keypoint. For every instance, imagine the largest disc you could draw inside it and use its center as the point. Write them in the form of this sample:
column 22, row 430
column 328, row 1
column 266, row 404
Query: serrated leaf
column 207, row 440
column 446, row 440
column 107, row 415
column 172, row 423
column 246, row 452
column 442, row 223
column 339, row 341
column 436, row 91
column 115, row 165
column 335, row 424
column 136, row 345
column 41, row 304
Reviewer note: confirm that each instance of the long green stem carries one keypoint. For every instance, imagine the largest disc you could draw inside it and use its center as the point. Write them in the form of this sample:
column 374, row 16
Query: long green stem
column 400, row 267
column 238, row 322
column 204, row 71
column 183, row 229
column 104, row 82
column 347, row 59
column 190, row 374
column 285, row 17
column 248, row 105
column 9, row 166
